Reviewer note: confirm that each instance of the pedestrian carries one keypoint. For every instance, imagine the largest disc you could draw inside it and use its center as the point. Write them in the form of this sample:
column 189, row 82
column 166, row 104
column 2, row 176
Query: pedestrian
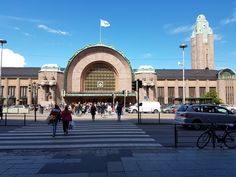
column 55, row 116
column 103, row 107
column 1, row 110
column 93, row 111
column 66, row 118
column 109, row 109
column 119, row 111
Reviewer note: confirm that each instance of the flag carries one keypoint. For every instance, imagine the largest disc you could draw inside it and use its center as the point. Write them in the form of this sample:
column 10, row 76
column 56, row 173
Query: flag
column 104, row 23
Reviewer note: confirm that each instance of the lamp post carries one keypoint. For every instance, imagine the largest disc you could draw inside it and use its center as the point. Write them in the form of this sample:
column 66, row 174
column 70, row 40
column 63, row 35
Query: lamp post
column 183, row 46
column 2, row 41
column 34, row 89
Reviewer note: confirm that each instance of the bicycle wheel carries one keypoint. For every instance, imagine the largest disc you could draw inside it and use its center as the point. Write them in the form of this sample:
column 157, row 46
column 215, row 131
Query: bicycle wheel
column 230, row 140
column 203, row 139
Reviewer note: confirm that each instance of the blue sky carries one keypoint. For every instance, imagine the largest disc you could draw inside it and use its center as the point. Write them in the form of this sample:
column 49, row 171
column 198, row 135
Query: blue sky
column 147, row 32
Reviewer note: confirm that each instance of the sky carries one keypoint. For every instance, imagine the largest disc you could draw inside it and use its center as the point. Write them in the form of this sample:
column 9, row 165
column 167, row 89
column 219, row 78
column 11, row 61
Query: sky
column 146, row 32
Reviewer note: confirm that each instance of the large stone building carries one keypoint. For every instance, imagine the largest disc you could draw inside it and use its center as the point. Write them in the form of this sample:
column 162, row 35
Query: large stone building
column 102, row 73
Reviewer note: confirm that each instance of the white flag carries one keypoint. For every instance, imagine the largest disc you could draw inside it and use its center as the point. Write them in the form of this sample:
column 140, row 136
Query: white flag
column 104, row 23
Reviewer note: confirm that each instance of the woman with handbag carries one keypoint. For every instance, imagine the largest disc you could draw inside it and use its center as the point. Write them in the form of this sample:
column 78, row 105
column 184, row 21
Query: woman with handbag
column 66, row 118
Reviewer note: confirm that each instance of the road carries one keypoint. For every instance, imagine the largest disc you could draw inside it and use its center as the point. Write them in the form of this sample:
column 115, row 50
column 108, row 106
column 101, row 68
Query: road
column 154, row 131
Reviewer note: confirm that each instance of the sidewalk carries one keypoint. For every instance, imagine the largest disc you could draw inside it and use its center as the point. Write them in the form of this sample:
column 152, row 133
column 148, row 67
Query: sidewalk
column 161, row 162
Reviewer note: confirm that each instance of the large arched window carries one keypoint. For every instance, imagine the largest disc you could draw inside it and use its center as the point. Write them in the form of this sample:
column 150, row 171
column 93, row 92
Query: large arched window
column 99, row 78
column 226, row 74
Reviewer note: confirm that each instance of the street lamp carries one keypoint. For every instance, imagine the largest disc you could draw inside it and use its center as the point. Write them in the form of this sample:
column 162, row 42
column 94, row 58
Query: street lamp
column 34, row 89
column 2, row 41
column 183, row 46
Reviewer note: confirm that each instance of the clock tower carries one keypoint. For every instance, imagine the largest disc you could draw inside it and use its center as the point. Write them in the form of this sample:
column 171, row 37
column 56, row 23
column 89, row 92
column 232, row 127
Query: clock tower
column 202, row 43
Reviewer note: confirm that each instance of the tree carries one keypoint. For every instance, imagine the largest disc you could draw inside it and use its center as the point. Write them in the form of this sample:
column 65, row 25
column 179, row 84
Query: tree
column 213, row 94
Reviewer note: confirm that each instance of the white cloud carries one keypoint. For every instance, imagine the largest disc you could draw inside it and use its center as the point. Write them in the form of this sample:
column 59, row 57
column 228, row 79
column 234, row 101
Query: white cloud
column 16, row 28
column 182, row 29
column 147, row 55
column 20, row 19
column 218, row 37
column 231, row 19
column 27, row 34
column 51, row 30
column 179, row 29
column 12, row 59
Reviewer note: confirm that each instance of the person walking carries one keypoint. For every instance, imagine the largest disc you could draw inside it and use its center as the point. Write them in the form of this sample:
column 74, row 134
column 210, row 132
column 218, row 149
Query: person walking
column 66, row 118
column 109, row 109
column 1, row 110
column 119, row 111
column 103, row 107
column 55, row 116
column 93, row 111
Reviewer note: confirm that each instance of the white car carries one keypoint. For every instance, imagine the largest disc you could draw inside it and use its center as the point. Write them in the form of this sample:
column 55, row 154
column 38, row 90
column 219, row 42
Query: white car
column 229, row 107
column 16, row 109
column 199, row 115
column 146, row 106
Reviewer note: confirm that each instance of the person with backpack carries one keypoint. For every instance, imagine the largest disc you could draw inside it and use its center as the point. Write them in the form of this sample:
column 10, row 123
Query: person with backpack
column 66, row 118
column 55, row 116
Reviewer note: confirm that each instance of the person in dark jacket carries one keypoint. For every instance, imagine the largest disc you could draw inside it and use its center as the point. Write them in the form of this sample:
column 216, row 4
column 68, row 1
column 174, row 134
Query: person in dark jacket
column 66, row 118
column 119, row 111
column 93, row 111
column 55, row 115
column 1, row 114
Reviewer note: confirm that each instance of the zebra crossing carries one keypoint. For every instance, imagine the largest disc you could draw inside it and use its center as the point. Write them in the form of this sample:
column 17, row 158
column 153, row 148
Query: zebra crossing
column 84, row 135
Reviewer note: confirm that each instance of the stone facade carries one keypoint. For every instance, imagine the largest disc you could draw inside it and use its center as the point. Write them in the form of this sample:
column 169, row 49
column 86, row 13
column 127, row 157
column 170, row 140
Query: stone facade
column 158, row 85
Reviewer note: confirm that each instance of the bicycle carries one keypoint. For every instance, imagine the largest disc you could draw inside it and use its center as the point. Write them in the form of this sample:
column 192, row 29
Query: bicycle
column 228, row 137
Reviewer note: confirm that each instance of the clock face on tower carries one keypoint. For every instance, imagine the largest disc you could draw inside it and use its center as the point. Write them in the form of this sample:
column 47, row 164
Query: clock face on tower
column 204, row 26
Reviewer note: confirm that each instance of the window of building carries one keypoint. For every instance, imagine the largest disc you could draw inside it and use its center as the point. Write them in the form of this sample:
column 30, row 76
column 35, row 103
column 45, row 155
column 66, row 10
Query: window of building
column 160, row 94
column 11, row 91
column 202, row 91
column 171, row 95
column 180, row 92
column 99, row 78
column 212, row 88
column 192, row 92
column 23, row 91
column 229, row 94
column 1, row 91
column 23, row 95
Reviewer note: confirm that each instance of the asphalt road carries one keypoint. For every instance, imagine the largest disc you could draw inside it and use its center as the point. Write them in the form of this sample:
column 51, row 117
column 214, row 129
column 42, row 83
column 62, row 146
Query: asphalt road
column 159, row 126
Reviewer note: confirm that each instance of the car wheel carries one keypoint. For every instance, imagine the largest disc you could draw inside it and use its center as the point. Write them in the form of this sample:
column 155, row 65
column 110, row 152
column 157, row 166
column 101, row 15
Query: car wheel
column 196, row 125
column 155, row 111
column 134, row 111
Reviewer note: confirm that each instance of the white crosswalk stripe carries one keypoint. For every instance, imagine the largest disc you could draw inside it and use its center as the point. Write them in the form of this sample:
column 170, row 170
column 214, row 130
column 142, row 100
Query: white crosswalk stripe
column 85, row 134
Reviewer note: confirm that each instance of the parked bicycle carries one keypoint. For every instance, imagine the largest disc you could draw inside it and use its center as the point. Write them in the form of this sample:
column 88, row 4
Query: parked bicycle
column 228, row 138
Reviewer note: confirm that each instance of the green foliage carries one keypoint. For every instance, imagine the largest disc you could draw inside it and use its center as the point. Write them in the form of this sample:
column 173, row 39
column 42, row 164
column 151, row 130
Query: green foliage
column 213, row 94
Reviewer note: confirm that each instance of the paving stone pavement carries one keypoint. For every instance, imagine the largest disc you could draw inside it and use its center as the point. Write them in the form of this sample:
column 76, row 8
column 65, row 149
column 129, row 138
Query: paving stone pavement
column 115, row 162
